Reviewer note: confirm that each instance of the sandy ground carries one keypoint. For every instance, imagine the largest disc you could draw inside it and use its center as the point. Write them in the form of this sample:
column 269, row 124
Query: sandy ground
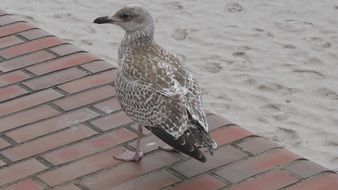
column 271, row 66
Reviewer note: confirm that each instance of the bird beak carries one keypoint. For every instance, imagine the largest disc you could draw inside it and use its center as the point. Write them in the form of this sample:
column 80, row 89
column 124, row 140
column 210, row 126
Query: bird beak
column 103, row 20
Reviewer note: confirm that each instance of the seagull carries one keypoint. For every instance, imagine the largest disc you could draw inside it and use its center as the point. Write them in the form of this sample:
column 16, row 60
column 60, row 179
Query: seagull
column 156, row 90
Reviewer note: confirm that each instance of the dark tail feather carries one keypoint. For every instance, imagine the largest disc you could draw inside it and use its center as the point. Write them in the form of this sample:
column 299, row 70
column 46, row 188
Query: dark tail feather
column 207, row 139
column 201, row 134
column 183, row 144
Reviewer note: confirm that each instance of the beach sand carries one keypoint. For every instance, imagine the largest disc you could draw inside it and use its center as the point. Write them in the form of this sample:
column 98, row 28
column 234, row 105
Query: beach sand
column 270, row 66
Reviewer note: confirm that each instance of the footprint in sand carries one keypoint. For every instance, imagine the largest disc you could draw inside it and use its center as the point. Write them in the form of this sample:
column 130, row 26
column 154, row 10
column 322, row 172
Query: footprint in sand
column 332, row 142
column 243, row 57
column 317, row 43
column 271, row 107
column 88, row 42
column 214, row 64
column 233, row 7
column 272, row 87
column 290, row 134
column 180, row 34
column 267, row 33
column 238, row 54
column 62, row 15
column 90, row 30
column 204, row 91
column 287, row 101
column 325, row 92
column 314, row 61
column 294, row 25
column 258, row 29
column 250, row 81
column 213, row 67
column 292, row 91
column 175, row 5
column 310, row 72
column 289, row 46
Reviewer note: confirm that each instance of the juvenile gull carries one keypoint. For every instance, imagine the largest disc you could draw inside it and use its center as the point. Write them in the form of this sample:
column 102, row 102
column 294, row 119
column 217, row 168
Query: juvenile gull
column 155, row 89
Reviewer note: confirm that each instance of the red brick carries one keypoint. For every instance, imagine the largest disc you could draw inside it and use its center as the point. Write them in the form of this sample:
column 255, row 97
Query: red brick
column 89, row 82
column 85, row 98
column 14, row 28
column 34, row 34
column 26, row 117
column 152, row 181
column 229, row 134
column 250, row 167
column 12, row 77
column 28, row 101
column 129, row 170
column 109, row 106
column 8, row 19
column 88, row 147
column 26, row 60
column 323, row 182
column 81, row 168
column 10, row 92
column 112, row 121
column 30, row 46
column 9, row 41
column 305, row 168
column 21, row 170
column 49, row 142
column 51, row 125
column 222, row 156
column 3, row 143
column 272, row 180
column 53, row 79
column 65, row 49
column 257, row 145
column 97, row 66
column 62, row 63
column 216, row 121
column 199, row 183
column 67, row 187
column 27, row 184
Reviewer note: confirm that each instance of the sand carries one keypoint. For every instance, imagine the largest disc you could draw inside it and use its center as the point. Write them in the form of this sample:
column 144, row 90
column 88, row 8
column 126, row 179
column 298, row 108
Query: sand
column 269, row 66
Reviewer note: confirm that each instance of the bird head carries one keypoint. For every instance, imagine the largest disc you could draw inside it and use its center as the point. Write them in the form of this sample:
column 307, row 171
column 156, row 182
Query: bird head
column 131, row 17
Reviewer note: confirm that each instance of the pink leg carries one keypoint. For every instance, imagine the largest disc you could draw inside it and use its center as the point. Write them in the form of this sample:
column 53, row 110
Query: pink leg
column 133, row 156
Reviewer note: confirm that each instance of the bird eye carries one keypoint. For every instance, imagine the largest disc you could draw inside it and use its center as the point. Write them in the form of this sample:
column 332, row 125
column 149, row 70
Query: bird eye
column 124, row 16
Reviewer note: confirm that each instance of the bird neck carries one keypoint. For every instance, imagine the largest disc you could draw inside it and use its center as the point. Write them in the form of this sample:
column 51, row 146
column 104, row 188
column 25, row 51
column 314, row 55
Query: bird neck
column 138, row 37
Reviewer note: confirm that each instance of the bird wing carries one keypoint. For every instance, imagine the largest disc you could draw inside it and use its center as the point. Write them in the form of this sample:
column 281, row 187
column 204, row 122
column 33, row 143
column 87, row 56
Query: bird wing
column 172, row 79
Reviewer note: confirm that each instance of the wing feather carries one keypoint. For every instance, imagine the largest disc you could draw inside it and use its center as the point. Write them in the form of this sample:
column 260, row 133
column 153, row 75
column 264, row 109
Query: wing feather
column 183, row 144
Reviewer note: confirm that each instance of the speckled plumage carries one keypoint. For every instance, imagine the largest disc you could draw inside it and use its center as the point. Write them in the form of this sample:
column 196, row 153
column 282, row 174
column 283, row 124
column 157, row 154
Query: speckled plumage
column 157, row 91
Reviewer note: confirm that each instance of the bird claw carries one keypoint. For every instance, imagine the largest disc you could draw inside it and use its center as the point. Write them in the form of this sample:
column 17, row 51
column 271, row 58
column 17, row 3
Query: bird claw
column 129, row 156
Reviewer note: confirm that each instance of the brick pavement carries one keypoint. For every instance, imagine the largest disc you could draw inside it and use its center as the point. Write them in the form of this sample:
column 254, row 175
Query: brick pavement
column 61, row 124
